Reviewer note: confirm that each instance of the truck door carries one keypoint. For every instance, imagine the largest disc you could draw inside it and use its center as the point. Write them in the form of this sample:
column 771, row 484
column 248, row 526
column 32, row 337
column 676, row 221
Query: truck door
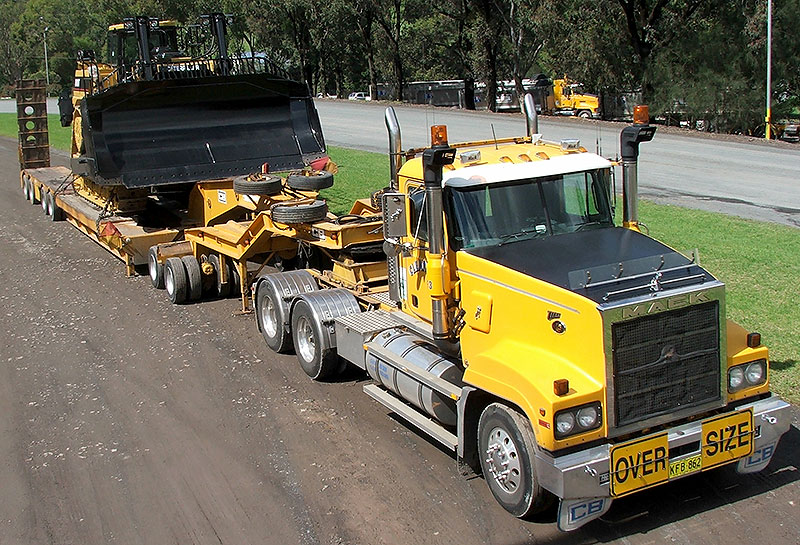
column 414, row 263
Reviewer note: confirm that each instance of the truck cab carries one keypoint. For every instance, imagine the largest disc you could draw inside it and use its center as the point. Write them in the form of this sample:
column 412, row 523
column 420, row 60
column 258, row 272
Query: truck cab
column 569, row 98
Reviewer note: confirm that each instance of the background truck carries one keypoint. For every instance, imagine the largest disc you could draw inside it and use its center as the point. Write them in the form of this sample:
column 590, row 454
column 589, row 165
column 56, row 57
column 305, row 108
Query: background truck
column 496, row 306
column 557, row 97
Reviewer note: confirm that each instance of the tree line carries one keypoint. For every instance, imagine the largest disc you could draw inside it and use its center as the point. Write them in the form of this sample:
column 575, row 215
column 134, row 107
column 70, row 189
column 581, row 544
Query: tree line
column 702, row 60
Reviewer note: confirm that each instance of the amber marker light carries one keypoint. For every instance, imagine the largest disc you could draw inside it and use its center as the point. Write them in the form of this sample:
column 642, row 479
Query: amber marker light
column 561, row 387
column 754, row 339
column 641, row 115
column 438, row 135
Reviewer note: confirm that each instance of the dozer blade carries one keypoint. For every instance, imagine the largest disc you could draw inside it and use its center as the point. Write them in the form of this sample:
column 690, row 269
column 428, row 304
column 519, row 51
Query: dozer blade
column 152, row 133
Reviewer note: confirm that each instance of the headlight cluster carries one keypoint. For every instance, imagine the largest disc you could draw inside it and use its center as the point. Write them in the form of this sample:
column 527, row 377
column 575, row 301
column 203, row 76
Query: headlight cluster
column 578, row 420
column 747, row 375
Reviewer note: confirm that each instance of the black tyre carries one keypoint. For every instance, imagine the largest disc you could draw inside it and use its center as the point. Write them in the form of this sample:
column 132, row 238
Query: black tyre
column 300, row 213
column 306, row 335
column 506, row 449
column 53, row 211
column 269, row 313
column 585, row 114
column 194, row 277
column 155, row 269
column 175, row 280
column 235, row 280
column 257, row 185
column 220, row 289
column 32, row 191
column 313, row 181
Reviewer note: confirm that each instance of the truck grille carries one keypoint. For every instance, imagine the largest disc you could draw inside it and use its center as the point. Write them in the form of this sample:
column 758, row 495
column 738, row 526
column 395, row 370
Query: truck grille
column 666, row 362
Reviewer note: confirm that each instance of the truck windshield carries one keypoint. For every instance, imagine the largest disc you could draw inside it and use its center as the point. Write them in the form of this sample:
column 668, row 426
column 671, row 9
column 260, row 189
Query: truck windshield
column 500, row 213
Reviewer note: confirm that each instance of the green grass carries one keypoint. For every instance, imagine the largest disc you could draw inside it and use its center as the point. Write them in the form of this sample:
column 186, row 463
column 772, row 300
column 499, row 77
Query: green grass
column 759, row 262
column 60, row 137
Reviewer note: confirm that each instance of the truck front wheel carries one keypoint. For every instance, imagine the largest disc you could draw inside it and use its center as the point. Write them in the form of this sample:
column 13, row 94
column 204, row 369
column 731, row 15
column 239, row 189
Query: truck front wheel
column 506, row 449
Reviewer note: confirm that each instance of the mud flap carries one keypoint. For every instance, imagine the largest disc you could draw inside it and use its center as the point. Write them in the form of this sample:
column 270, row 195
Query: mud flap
column 151, row 133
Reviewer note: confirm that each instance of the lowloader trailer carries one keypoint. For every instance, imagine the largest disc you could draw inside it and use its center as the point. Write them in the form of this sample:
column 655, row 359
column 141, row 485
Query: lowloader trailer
column 498, row 309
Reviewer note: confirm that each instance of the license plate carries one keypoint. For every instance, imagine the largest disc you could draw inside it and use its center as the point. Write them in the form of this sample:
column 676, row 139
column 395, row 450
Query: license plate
column 639, row 464
column 727, row 438
column 679, row 468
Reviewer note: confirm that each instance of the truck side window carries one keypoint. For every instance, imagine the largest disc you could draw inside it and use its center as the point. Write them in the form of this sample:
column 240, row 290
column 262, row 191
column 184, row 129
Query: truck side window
column 418, row 221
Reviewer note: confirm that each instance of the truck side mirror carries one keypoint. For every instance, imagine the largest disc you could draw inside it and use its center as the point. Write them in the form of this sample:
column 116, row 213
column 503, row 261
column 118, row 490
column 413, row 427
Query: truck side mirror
column 65, row 109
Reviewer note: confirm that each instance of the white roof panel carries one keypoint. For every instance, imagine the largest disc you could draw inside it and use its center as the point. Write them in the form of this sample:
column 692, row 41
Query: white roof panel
column 505, row 172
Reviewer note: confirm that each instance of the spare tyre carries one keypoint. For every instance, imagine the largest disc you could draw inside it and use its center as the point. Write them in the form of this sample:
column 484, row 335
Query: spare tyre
column 257, row 184
column 300, row 213
column 310, row 181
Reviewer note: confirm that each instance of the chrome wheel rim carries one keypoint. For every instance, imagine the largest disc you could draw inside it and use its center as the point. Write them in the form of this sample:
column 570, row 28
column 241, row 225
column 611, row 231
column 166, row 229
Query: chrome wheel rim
column 51, row 204
column 502, row 460
column 153, row 266
column 43, row 202
column 269, row 317
column 169, row 281
column 305, row 339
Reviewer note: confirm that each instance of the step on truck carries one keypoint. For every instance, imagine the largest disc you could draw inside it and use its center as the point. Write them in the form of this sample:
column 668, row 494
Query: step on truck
column 562, row 356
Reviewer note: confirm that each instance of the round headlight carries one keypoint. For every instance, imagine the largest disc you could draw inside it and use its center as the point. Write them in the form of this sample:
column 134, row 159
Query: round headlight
column 735, row 378
column 587, row 417
column 754, row 373
column 565, row 422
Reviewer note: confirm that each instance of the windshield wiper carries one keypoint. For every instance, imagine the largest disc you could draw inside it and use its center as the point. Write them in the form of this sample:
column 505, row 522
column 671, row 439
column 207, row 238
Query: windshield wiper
column 511, row 237
column 585, row 224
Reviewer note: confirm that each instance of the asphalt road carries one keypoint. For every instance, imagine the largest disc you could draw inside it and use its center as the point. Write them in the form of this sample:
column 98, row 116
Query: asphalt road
column 732, row 175
column 125, row 419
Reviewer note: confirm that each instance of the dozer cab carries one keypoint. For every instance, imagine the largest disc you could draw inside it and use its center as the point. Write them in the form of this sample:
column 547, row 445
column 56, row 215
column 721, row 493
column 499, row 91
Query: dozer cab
column 154, row 114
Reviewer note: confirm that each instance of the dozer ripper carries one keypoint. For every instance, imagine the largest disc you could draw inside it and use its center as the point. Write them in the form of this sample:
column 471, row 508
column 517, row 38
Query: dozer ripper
column 167, row 121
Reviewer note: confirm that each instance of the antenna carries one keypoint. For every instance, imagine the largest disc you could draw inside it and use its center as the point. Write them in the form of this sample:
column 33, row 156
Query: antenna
column 494, row 135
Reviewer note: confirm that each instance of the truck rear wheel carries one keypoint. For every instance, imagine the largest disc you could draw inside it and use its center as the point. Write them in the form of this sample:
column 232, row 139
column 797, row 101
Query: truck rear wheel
column 175, row 280
column 506, row 447
column 274, row 293
column 585, row 114
column 317, row 362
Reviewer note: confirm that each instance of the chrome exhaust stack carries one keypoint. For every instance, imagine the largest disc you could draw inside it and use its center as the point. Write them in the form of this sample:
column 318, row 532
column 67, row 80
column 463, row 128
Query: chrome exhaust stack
column 531, row 117
column 395, row 147
column 630, row 138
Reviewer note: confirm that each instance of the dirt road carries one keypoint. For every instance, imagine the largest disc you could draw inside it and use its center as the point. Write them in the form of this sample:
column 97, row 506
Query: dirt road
column 125, row 419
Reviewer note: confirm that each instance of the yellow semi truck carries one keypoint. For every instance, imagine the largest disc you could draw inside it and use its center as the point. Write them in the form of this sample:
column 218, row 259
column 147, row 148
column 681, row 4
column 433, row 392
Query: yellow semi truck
column 563, row 357
column 568, row 98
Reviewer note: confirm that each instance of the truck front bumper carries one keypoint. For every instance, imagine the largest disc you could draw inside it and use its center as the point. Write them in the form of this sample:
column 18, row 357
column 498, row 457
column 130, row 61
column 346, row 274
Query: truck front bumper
column 582, row 479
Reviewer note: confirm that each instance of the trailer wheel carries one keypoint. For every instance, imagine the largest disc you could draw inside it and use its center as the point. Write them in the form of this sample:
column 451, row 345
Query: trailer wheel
column 317, row 362
column 257, row 184
column 175, row 280
column 43, row 201
column 313, row 181
column 221, row 289
column 155, row 268
column 300, row 213
column 506, row 449
column 194, row 277
column 32, row 192
column 26, row 189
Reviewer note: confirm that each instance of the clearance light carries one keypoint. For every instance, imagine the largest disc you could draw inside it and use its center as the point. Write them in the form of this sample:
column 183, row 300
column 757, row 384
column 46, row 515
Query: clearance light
column 754, row 339
column 439, row 135
column 561, row 387
column 641, row 115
